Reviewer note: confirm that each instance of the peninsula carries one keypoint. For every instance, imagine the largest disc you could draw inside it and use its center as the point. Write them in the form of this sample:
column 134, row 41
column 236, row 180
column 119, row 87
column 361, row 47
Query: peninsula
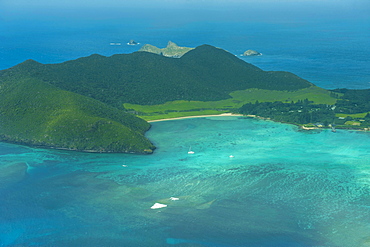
column 101, row 104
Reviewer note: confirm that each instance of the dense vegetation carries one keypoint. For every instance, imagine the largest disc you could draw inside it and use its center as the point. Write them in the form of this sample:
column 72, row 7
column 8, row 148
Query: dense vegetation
column 301, row 112
column 203, row 74
column 33, row 112
column 351, row 110
column 353, row 101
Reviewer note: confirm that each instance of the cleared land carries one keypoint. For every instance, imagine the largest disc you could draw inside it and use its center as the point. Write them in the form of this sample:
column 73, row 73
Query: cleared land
column 356, row 115
column 183, row 108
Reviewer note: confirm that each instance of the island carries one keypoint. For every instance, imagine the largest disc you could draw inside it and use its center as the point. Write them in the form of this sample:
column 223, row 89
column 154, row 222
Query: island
column 132, row 42
column 171, row 50
column 251, row 53
column 103, row 104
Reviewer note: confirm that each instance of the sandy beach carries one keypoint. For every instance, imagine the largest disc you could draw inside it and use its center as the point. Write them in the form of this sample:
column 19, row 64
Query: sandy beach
column 200, row 116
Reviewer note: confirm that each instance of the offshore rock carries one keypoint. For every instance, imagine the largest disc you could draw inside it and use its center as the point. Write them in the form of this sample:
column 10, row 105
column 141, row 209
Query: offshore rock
column 251, row 53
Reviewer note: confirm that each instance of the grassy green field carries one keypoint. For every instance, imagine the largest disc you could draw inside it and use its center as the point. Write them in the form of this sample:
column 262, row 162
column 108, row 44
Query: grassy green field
column 357, row 115
column 353, row 123
column 182, row 108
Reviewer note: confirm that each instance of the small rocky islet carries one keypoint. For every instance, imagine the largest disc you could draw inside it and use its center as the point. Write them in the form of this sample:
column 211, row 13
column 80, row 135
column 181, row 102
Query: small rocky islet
column 251, row 53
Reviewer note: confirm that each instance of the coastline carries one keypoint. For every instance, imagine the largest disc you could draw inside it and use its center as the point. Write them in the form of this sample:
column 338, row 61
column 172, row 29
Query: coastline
column 199, row 116
column 302, row 127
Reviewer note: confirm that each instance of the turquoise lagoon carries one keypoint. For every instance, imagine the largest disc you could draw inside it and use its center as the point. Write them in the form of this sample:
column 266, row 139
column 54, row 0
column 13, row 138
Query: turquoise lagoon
column 283, row 187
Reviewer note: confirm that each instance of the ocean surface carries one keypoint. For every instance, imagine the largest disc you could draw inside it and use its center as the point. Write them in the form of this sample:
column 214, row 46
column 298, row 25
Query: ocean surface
column 249, row 182
column 329, row 51
column 282, row 187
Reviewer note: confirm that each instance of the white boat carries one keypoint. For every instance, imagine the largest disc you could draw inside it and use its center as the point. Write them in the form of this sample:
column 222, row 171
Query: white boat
column 190, row 151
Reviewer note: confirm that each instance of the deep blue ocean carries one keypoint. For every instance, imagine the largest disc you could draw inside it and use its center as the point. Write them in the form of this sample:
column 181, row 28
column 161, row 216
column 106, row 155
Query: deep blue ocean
column 249, row 182
column 330, row 50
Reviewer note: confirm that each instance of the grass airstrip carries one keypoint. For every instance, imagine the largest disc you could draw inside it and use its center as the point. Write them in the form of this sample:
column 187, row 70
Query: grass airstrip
column 182, row 108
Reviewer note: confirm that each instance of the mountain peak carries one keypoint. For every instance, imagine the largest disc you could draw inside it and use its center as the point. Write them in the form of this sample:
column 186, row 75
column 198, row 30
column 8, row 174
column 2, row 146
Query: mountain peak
column 28, row 65
column 208, row 51
column 171, row 44
column 29, row 62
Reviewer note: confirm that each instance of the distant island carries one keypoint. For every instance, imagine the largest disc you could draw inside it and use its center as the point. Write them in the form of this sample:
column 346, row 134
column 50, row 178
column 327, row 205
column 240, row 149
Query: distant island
column 171, row 50
column 251, row 53
column 132, row 42
column 102, row 104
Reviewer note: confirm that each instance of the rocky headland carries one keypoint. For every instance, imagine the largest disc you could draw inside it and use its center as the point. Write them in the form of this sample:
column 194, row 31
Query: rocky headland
column 171, row 50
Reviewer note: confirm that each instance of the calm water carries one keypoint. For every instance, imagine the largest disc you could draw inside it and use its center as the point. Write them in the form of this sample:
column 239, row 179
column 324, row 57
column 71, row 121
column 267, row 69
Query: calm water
column 330, row 51
column 283, row 187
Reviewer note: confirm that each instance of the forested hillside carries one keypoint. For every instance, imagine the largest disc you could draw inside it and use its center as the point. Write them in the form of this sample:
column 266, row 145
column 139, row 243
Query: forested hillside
column 36, row 113
column 204, row 74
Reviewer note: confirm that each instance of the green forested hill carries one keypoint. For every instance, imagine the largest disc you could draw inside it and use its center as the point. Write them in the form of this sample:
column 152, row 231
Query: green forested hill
column 36, row 113
column 218, row 68
column 204, row 74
